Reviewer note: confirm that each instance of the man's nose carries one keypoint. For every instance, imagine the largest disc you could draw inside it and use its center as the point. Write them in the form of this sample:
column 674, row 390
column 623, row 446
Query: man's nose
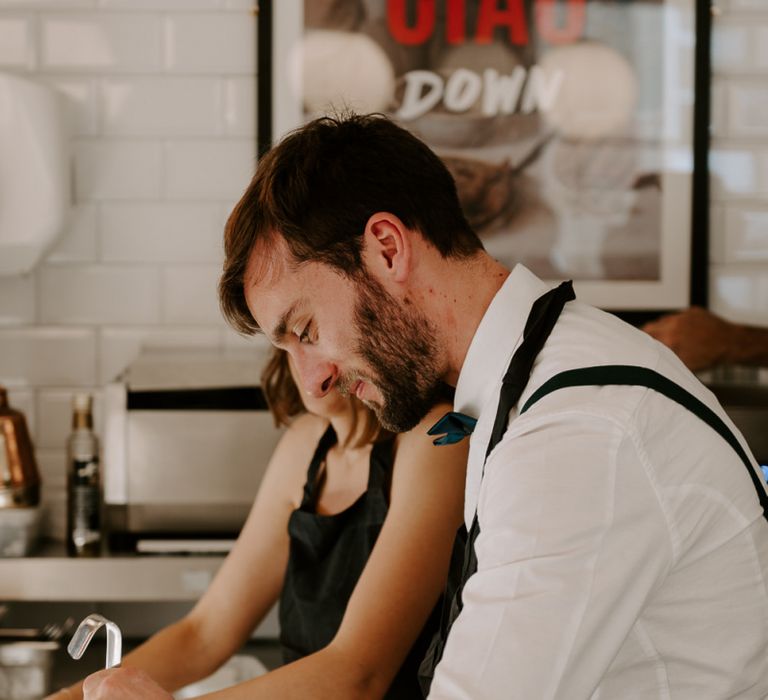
column 317, row 377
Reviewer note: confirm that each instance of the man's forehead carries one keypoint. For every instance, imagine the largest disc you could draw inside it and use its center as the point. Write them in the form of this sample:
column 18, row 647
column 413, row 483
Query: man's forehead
column 275, row 311
column 268, row 261
column 278, row 287
column 278, row 296
column 273, row 305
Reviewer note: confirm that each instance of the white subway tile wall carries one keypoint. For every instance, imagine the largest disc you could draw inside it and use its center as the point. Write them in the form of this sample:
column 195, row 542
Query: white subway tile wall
column 78, row 240
column 16, row 45
column 225, row 172
column 164, row 106
column 17, row 300
column 732, row 45
column 103, row 42
column 163, row 232
column 717, row 110
column 108, row 169
column 189, row 294
column 208, row 43
column 52, row 467
column 735, row 170
column 160, row 98
column 44, row 356
column 740, row 289
column 761, row 49
column 239, row 112
column 748, row 108
column 743, row 4
column 739, row 161
column 99, row 294
column 175, row 5
column 81, row 107
column 746, row 234
column 717, row 234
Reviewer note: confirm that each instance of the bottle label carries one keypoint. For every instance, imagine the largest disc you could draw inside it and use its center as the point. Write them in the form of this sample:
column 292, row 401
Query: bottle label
column 85, row 471
column 85, row 511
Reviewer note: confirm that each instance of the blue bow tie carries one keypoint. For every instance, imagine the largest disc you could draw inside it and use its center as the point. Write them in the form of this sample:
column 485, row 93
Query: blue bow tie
column 453, row 427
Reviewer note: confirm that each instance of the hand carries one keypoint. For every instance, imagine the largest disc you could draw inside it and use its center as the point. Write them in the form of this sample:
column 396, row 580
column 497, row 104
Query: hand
column 122, row 684
column 699, row 338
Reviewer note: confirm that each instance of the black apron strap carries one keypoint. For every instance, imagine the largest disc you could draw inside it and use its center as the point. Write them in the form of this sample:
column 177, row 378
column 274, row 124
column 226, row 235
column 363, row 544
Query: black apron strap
column 541, row 320
column 327, row 441
column 630, row 375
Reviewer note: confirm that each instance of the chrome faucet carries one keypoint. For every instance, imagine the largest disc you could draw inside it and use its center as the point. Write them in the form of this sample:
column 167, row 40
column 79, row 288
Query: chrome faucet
column 84, row 634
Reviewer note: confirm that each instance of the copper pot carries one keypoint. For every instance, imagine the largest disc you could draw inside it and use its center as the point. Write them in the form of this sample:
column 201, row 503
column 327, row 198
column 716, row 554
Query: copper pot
column 19, row 478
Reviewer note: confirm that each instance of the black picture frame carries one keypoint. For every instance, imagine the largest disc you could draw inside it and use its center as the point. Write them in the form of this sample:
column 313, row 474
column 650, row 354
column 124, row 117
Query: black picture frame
column 272, row 83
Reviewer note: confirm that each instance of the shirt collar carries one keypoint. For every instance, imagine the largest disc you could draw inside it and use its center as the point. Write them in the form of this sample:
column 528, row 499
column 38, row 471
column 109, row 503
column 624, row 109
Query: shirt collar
column 497, row 337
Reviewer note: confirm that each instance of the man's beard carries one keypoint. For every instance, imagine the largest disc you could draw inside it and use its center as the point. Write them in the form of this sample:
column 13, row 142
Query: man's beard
column 400, row 348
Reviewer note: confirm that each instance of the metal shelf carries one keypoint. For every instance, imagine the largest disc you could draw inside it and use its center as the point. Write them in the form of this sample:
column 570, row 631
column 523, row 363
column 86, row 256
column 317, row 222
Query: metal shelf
column 51, row 576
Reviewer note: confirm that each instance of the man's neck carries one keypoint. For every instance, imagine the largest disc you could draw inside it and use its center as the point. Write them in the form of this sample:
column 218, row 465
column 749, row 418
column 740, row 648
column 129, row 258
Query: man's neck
column 457, row 293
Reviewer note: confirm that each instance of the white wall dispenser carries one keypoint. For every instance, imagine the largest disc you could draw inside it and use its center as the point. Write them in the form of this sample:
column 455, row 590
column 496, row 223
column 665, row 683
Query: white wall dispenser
column 34, row 172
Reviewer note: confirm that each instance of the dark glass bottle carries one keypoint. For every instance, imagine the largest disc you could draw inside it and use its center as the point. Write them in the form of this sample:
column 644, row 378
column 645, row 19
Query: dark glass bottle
column 83, row 482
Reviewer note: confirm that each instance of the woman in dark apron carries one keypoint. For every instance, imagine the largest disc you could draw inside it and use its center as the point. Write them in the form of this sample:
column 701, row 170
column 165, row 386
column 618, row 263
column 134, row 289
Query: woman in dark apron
column 351, row 531
column 331, row 545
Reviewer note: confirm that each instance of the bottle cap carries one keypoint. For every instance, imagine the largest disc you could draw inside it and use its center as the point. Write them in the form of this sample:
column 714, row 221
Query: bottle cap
column 81, row 411
column 81, row 402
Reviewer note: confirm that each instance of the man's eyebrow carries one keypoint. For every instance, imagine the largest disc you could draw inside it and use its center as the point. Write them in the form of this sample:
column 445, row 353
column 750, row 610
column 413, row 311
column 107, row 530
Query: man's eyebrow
column 281, row 329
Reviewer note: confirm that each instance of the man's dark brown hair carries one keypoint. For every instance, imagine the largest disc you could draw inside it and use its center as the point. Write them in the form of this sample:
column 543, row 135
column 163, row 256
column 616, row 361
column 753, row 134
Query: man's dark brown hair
column 319, row 186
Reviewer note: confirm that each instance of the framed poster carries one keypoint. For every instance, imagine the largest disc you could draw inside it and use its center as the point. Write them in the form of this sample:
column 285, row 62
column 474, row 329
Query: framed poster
column 568, row 125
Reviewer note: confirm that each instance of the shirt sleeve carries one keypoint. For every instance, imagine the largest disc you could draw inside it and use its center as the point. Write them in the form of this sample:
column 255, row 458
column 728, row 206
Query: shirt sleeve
column 572, row 540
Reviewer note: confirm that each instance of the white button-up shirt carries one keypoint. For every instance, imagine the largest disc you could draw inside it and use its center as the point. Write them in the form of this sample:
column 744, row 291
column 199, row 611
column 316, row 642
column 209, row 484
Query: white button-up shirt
column 622, row 550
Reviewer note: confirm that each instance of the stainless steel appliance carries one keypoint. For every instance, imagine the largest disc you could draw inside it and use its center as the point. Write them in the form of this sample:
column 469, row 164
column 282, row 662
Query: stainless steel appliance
column 26, row 668
column 743, row 393
column 187, row 439
column 746, row 404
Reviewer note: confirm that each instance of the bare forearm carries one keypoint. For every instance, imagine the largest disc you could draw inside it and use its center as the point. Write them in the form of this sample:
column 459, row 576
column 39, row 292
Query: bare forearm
column 703, row 339
column 327, row 674
column 173, row 657
column 749, row 346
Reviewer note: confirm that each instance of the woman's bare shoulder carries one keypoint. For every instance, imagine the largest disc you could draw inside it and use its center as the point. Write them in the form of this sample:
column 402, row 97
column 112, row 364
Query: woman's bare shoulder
column 307, row 426
column 290, row 461
column 418, row 435
column 417, row 458
column 301, row 438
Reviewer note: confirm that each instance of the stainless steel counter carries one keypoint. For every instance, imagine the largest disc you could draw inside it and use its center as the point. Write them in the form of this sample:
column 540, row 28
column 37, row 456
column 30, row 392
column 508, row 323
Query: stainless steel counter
column 50, row 575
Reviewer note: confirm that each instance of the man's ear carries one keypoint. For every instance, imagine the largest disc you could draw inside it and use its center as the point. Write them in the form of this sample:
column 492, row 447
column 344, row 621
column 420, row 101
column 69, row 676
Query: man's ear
column 387, row 247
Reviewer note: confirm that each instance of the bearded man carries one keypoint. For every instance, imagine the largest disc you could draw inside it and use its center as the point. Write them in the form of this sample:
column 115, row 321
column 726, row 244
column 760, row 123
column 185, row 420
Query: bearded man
column 616, row 544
